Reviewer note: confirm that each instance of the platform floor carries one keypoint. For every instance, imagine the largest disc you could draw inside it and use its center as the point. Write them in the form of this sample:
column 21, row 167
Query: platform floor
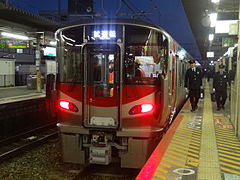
column 18, row 93
column 199, row 145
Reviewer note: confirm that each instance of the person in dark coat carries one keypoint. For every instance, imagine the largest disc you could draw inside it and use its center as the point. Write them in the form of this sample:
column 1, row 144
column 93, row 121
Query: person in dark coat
column 210, row 74
column 193, row 84
column 220, row 82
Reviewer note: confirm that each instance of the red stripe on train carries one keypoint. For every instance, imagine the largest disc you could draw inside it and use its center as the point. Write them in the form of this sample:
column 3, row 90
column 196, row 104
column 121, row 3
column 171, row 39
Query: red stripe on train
column 130, row 94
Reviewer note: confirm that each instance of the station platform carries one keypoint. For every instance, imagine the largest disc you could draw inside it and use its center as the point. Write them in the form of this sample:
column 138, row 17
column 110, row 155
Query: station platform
column 19, row 93
column 199, row 145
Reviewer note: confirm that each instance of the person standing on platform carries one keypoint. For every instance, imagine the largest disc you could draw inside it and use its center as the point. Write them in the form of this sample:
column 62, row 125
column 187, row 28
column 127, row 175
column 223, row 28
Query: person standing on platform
column 220, row 81
column 193, row 84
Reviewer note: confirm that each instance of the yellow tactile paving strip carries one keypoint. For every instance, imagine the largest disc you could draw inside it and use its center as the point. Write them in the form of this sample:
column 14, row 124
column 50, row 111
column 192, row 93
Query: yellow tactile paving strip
column 182, row 154
column 209, row 164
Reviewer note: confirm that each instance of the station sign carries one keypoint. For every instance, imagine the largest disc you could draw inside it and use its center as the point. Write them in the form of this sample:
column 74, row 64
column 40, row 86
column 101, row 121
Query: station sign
column 3, row 45
column 233, row 29
column 14, row 44
column 210, row 54
column 18, row 44
column 227, row 26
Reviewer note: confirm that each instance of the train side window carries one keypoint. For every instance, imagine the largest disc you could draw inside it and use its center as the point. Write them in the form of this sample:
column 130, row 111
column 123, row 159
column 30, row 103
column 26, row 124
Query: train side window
column 163, row 53
column 232, row 72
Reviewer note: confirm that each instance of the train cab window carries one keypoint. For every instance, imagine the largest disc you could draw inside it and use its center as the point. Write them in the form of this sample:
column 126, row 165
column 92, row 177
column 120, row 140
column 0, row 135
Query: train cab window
column 69, row 55
column 71, row 66
column 145, row 56
column 103, row 69
column 98, row 60
column 104, row 74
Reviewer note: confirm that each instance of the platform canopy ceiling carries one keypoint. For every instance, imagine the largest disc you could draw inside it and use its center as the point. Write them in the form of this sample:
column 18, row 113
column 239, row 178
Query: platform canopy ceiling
column 12, row 18
column 198, row 12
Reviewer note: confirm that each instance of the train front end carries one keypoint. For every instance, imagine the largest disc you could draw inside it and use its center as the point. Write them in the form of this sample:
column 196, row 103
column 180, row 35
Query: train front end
column 109, row 93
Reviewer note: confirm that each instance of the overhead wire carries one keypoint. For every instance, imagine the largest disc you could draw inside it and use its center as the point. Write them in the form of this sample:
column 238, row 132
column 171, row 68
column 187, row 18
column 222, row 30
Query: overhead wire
column 128, row 6
column 131, row 4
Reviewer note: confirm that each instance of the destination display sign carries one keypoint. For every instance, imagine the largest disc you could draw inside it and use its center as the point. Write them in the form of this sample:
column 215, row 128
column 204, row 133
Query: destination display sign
column 102, row 32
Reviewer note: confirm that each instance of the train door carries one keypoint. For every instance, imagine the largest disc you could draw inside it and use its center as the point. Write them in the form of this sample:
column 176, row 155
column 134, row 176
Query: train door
column 101, row 107
column 172, row 79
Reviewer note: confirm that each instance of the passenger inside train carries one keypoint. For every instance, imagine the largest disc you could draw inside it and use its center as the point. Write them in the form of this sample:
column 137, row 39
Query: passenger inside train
column 111, row 78
column 97, row 69
column 139, row 72
column 111, row 72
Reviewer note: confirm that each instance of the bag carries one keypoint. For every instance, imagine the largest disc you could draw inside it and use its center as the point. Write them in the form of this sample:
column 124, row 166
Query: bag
column 201, row 93
column 213, row 97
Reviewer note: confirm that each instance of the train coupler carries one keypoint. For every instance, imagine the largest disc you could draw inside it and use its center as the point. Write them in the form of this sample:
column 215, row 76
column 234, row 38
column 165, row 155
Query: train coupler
column 100, row 155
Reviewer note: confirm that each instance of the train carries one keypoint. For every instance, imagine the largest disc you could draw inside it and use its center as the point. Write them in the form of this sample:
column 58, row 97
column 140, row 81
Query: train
column 119, row 84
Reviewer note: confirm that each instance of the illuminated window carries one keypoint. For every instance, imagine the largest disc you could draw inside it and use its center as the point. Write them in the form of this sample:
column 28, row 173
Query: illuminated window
column 146, row 56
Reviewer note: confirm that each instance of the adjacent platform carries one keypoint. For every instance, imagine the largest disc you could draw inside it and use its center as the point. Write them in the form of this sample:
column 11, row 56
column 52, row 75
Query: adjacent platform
column 199, row 145
column 19, row 93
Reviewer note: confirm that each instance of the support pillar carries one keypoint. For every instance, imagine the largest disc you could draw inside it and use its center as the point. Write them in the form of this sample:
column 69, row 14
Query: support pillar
column 38, row 64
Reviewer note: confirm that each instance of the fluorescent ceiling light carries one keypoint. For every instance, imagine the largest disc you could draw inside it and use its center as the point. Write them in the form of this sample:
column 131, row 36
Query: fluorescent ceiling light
column 213, row 19
column 53, row 43
column 210, row 37
column 215, row 1
column 15, row 36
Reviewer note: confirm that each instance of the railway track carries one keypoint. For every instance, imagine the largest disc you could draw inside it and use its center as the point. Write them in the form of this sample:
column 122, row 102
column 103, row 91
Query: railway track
column 111, row 172
column 11, row 146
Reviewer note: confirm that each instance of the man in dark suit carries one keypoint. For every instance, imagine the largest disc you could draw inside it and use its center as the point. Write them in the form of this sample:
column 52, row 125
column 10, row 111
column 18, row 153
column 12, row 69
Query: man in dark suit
column 220, row 81
column 193, row 84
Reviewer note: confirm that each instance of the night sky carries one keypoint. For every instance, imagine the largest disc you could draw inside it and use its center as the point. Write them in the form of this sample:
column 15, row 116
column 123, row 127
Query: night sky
column 168, row 14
